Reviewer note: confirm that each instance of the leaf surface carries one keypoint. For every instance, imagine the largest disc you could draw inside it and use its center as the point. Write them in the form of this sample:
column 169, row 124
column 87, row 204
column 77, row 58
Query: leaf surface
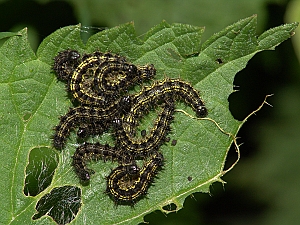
column 32, row 100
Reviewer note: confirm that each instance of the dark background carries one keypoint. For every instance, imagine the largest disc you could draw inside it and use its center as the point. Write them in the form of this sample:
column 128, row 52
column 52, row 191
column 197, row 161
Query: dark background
column 264, row 188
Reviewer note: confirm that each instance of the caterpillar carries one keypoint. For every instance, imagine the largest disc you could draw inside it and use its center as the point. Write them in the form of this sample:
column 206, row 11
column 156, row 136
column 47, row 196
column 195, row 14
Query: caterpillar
column 95, row 151
column 142, row 148
column 170, row 89
column 98, row 77
column 102, row 76
column 128, row 183
column 65, row 63
column 166, row 91
column 88, row 115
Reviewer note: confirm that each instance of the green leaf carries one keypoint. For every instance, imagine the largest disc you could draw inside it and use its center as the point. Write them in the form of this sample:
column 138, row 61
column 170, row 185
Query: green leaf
column 8, row 34
column 32, row 100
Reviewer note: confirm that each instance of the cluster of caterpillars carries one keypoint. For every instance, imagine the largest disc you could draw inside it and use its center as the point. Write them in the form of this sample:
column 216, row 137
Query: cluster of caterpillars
column 99, row 82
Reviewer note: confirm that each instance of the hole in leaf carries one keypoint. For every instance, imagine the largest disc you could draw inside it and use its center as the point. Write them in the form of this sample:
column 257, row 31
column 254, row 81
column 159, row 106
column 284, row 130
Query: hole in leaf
column 40, row 170
column 26, row 116
column 62, row 204
column 219, row 60
column 171, row 207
